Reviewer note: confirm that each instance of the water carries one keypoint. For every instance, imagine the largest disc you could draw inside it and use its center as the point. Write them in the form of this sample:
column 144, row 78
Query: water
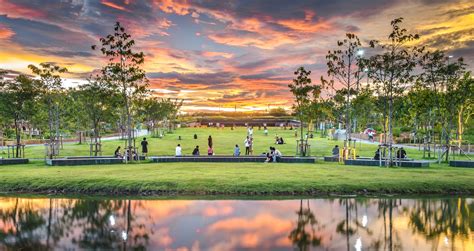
column 308, row 224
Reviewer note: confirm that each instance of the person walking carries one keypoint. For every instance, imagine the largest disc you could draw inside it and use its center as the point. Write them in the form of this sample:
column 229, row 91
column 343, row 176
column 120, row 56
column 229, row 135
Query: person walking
column 144, row 144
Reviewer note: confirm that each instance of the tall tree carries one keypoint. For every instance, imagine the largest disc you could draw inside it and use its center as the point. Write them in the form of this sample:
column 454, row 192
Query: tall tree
column 51, row 87
column 124, row 71
column 344, row 67
column 391, row 71
column 302, row 90
column 98, row 101
column 16, row 102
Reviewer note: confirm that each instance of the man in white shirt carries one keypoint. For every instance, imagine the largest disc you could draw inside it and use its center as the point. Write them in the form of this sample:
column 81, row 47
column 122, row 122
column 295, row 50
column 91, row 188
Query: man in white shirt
column 247, row 145
column 250, row 131
column 178, row 151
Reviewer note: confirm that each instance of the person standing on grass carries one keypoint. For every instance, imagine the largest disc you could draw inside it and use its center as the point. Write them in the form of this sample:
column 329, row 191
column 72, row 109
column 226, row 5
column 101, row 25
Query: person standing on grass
column 251, row 146
column 144, row 144
column 250, row 131
column 247, row 145
column 209, row 141
column 178, row 152
column 265, row 130
column 196, row 151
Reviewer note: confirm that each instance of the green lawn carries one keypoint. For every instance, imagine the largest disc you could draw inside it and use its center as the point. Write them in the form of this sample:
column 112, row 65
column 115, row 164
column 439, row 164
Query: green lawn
column 230, row 178
column 224, row 142
column 235, row 178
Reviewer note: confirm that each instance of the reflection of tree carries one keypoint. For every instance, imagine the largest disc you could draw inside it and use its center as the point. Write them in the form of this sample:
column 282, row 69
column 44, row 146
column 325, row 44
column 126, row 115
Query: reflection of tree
column 302, row 237
column 25, row 232
column 93, row 217
column 87, row 222
column 448, row 217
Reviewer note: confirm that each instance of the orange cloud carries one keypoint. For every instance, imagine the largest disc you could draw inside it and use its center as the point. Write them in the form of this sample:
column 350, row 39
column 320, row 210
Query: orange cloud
column 113, row 5
column 5, row 32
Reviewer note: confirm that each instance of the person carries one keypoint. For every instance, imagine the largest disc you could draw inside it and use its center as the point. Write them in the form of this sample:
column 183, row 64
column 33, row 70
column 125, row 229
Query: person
column 371, row 136
column 276, row 154
column 178, row 151
column 401, row 153
column 144, row 147
column 251, row 146
column 280, row 141
column 236, row 151
column 209, row 141
column 117, row 153
column 250, row 131
column 265, row 130
column 377, row 154
column 196, row 151
column 269, row 157
column 247, row 145
column 195, row 136
column 210, row 151
column 335, row 152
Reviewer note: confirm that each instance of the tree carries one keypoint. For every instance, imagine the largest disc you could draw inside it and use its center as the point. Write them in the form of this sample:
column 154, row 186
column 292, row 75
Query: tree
column 98, row 101
column 16, row 102
column 50, row 92
column 442, row 78
column 344, row 66
column 302, row 90
column 392, row 71
column 124, row 71
column 277, row 112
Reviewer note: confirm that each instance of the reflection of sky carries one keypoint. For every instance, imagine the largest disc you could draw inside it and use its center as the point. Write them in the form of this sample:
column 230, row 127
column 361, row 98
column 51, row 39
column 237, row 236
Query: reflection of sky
column 231, row 53
column 237, row 224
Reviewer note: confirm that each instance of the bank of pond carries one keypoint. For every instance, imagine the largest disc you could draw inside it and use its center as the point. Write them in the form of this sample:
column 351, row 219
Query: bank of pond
column 225, row 223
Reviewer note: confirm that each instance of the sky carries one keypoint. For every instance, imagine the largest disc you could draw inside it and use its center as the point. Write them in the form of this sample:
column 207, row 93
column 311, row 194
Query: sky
column 221, row 55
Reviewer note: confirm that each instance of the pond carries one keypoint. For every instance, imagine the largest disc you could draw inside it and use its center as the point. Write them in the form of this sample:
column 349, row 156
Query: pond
column 268, row 224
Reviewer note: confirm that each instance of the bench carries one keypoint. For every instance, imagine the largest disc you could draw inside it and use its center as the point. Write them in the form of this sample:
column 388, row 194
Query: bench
column 141, row 157
column 229, row 159
column 461, row 163
column 83, row 161
column 372, row 162
column 331, row 159
column 13, row 161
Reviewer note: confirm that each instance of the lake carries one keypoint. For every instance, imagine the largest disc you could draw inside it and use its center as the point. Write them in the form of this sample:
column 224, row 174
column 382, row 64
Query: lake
column 268, row 224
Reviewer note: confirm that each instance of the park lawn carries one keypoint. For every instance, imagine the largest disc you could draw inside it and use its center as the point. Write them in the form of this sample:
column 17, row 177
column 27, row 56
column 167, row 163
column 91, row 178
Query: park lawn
column 224, row 141
column 233, row 179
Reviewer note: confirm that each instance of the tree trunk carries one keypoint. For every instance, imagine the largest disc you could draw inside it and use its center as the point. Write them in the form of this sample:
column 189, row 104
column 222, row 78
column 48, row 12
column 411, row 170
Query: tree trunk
column 17, row 135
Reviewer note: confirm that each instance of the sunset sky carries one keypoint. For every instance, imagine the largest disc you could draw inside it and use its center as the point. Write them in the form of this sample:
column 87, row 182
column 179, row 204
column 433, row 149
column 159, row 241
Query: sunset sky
column 221, row 53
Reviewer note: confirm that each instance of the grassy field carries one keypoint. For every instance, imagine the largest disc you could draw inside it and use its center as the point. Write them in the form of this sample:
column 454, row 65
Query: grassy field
column 233, row 179
column 230, row 178
column 224, row 142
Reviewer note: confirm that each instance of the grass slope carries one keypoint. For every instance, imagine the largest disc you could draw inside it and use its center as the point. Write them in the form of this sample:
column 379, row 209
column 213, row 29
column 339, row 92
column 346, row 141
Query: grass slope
column 236, row 178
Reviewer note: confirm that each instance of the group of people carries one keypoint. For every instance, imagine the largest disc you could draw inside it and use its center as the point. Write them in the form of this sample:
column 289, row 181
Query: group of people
column 279, row 140
column 273, row 156
column 131, row 154
column 401, row 154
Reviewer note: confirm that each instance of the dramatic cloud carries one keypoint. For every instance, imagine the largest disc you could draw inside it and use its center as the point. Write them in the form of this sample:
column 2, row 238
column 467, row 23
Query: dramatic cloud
column 221, row 54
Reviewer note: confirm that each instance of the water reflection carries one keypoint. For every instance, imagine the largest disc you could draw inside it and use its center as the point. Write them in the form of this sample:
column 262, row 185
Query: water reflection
column 315, row 224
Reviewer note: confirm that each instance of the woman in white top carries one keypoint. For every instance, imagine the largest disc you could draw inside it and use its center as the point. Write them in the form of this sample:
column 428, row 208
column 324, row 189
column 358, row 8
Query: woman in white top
column 178, row 151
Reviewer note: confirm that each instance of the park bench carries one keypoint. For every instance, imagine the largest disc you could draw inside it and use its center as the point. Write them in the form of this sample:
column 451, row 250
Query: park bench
column 228, row 159
column 13, row 161
column 461, row 163
column 331, row 159
column 141, row 157
column 372, row 162
column 75, row 161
